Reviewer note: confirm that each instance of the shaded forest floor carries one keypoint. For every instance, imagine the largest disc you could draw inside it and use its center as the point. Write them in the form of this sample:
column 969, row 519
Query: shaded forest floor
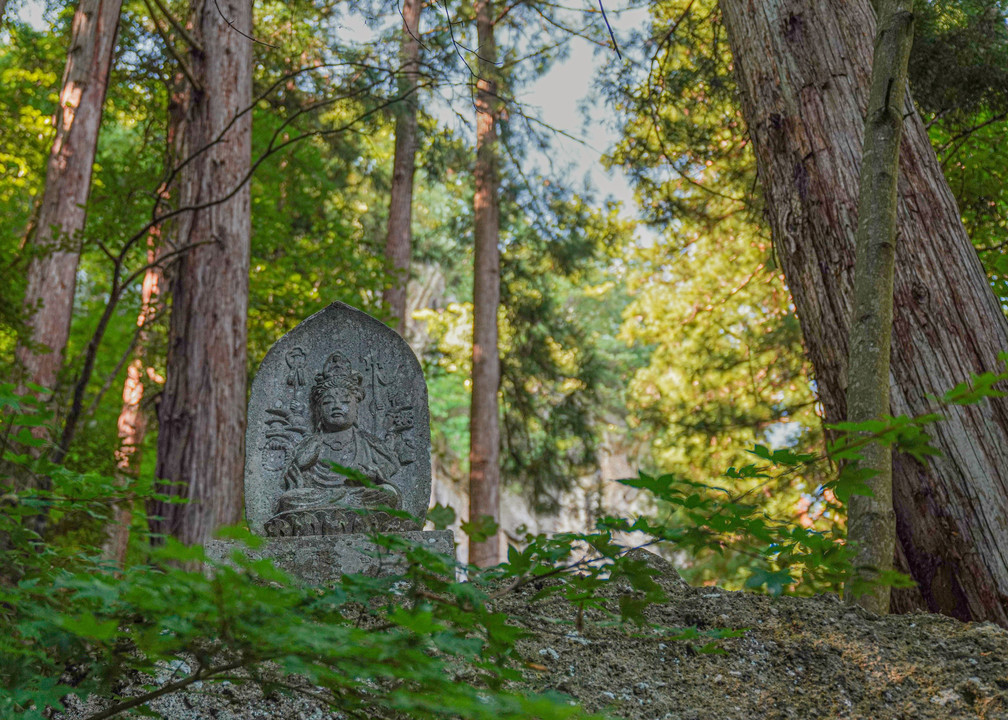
column 800, row 658
column 805, row 658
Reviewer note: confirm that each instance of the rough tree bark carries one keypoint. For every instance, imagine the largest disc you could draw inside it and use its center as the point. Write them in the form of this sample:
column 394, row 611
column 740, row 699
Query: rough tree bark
column 132, row 422
column 484, row 421
column 871, row 521
column 803, row 69
column 201, row 419
column 399, row 240
column 52, row 273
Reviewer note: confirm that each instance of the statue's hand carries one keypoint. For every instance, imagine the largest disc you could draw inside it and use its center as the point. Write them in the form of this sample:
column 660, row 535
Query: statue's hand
column 382, row 495
column 307, row 452
column 373, row 473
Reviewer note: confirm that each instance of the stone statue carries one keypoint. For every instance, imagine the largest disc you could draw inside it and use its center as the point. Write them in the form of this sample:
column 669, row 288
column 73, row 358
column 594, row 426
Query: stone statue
column 311, row 481
column 348, row 452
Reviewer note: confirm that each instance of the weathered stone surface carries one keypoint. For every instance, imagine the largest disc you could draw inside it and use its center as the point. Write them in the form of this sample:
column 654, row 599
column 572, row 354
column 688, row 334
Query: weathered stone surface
column 340, row 388
column 322, row 559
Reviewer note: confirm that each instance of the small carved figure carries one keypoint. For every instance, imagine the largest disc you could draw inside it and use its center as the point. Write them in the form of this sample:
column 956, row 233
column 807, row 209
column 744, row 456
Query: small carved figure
column 399, row 435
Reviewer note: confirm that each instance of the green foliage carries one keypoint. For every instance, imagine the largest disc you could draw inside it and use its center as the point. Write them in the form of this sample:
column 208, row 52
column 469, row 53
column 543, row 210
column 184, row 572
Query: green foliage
column 366, row 645
column 691, row 328
column 561, row 362
column 29, row 62
column 249, row 613
column 374, row 646
column 959, row 77
column 726, row 369
column 554, row 360
column 73, row 626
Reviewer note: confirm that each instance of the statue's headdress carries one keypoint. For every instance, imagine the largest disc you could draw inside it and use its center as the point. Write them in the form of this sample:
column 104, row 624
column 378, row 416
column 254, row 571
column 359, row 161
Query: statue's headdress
column 337, row 373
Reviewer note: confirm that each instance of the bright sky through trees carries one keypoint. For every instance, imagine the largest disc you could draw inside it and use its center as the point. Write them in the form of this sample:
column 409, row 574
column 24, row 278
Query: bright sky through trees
column 562, row 98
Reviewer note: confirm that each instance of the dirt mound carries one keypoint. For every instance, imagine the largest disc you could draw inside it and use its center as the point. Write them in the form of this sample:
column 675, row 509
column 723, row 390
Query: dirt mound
column 799, row 658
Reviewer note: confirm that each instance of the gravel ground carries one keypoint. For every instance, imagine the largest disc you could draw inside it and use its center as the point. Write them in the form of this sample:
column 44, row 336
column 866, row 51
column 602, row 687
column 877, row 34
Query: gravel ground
column 803, row 658
column 798, row 658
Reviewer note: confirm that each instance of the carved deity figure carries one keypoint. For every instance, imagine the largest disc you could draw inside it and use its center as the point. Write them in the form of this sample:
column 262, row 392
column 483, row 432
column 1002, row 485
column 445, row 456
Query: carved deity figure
column 316, row 493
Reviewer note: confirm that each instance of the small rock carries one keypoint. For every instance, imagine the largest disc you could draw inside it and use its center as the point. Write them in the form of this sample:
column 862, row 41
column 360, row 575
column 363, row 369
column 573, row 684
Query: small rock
column 945, row 697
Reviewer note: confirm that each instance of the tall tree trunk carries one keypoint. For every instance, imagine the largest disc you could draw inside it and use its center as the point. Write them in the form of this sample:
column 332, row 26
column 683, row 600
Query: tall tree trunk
column 132, row 423
column 484, row 421
column 871, row 522
column 399, row 240
column 52, row 273
column 803, row 69
column 201, row 437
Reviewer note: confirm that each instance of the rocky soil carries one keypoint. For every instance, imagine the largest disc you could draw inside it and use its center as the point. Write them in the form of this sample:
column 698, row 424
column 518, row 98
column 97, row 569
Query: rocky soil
column 808, row 658
column 799, row 658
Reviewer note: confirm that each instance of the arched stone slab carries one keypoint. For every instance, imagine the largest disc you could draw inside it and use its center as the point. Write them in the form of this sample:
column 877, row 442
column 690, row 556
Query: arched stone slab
column 290, row 441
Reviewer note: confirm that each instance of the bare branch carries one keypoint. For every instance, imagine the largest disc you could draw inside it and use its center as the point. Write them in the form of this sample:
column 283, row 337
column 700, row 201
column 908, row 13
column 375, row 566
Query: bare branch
column 200, row 674
column 170, row 47
column 609, row 28
column 965, row 134
column 178, row 27
column 119, row 283
column 244, row 35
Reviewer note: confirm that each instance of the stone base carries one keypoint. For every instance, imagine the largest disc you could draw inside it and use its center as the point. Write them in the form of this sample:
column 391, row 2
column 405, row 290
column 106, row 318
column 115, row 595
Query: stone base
column 323, row 559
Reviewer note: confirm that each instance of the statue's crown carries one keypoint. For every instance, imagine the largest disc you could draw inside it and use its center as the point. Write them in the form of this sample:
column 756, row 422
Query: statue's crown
column 338, row 372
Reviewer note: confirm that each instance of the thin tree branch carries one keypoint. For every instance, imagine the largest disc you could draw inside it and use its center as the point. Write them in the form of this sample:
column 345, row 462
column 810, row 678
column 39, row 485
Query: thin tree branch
column 119, row 284
column 185, row 682
column 969, row 131
column 992, row 248
column 507, row 9
column 179, row 28
column 110, row 378
column 455, row 44
column 170, row 47
column 609, row 28
column 244, row 35
column 91, row 350
column 407, row 28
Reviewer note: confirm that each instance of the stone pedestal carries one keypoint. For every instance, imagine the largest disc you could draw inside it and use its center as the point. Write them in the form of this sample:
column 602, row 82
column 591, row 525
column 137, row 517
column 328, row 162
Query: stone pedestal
column 323, row 559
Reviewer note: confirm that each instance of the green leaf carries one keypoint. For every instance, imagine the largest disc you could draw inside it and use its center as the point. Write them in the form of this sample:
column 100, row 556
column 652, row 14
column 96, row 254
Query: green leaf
column 241, row 534
column 976, row 389
column 481, row 529
column 441, row 516
column 774, row 580
column 632, row 608
column 88, row 626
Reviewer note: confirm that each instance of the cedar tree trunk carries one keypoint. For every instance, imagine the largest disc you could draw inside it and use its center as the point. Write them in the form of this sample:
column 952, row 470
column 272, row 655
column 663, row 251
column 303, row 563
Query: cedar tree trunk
column 871, row 522
column 132, row 423
column 52, row 273
column 484, row 422
column 201, row 439
column 399, row 240
column 803, row 70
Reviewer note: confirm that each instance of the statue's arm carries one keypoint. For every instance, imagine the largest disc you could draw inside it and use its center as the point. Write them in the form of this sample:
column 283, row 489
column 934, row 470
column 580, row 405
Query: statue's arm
column 306, row 454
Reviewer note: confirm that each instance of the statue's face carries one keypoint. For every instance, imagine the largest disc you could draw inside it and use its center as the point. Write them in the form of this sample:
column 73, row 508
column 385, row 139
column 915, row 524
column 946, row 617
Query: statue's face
column 338, row 409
